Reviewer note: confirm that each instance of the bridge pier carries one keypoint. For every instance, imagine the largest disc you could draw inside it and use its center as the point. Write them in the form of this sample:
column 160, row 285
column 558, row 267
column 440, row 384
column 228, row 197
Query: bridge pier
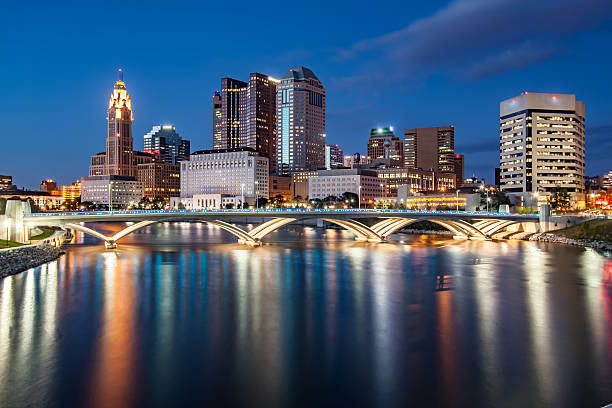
column 110, row 244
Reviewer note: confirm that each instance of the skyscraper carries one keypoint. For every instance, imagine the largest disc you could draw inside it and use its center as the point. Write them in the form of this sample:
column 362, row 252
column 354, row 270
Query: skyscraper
column 333, row 157
column 232, row 98
column 459, row 169
column 300, row 122
column 260, row 129
column 165, row 141
column 244, row 114
column 542, row 146
column 430, row 148
column 385, row 148
column 119, row 156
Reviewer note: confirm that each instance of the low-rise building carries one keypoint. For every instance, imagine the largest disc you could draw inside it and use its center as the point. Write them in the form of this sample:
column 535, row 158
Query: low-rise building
column 42, row 199
column 364, row 183
column 111, row 190
column 210, row 202
column 6, row 183
column 71, row 192
column 160, row 179
column 280, row 185
column 299, row 182
column 233, row 172
column 418, row 180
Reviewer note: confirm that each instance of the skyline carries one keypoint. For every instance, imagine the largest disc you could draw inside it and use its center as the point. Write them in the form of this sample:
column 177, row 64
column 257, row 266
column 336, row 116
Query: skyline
column 176, row 87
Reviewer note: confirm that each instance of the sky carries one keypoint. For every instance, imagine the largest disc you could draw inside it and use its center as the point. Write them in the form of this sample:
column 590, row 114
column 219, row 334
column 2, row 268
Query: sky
column 404, row 64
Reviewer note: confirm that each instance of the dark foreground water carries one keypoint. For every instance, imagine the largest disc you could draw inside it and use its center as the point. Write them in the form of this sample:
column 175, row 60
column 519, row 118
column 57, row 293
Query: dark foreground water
column 179, row 315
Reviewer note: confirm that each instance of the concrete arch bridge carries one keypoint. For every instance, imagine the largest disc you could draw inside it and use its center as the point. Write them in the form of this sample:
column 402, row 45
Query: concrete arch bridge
column 367, row 225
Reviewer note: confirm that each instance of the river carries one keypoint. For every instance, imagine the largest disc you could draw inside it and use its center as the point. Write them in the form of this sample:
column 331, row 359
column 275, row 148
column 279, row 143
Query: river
column 181, row 315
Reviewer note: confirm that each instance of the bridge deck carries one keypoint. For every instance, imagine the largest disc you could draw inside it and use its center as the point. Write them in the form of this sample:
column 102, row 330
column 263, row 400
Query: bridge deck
column 187, row 215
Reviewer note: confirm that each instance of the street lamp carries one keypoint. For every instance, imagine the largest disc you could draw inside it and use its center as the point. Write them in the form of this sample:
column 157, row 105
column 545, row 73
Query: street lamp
column 256, row 196
column 457, row 200
column 360, row 197
column 242, row 196
column 383, row 196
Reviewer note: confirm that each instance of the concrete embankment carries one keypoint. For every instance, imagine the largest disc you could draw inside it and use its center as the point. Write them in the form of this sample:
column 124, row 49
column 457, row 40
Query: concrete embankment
column 19, row 259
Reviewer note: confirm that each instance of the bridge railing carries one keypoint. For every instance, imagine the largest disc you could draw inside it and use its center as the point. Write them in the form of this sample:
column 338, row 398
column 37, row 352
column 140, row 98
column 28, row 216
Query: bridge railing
column 283, row 211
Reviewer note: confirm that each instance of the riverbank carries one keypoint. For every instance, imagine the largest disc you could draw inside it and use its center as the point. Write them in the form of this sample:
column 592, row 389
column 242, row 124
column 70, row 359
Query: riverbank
column 19, row 259
column 560, row 239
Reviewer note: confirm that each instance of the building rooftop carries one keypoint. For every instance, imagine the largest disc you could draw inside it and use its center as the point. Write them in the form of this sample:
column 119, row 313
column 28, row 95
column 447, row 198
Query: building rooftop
column 232, row 150
column 300, row 73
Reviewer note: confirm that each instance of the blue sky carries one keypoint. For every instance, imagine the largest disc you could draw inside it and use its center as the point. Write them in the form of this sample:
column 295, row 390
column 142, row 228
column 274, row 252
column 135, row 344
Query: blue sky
column 399, row 63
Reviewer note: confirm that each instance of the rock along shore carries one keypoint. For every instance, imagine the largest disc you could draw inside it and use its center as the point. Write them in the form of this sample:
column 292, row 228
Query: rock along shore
column 19, row 259
column 558, row 239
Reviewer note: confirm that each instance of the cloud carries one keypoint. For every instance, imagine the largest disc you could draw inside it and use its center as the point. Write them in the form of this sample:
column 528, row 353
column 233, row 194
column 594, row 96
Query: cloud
column 477, row 38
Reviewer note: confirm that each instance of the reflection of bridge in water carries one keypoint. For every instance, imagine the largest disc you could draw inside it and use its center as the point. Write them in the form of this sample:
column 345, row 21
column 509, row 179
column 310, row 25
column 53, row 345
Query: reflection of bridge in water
column 382, row 223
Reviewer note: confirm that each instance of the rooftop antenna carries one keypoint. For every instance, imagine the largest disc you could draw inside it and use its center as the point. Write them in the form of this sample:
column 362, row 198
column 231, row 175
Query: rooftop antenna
column 120, row 73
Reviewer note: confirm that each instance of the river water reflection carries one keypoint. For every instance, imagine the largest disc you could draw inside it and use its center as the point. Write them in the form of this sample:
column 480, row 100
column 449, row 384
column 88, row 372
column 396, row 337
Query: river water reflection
column 179, row 315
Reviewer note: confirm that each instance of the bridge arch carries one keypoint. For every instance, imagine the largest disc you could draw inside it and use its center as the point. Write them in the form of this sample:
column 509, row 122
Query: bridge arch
column 461, row 228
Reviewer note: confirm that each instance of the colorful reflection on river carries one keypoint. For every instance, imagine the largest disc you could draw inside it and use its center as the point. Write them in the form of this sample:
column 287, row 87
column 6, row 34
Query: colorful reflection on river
column 180, row 315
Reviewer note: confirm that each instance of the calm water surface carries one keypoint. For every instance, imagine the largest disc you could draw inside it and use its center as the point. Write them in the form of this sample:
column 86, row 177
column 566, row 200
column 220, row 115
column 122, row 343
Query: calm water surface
column 179, row 315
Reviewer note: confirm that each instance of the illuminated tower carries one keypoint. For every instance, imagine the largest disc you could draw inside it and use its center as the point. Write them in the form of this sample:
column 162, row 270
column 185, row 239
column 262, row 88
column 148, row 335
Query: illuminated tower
column 119, row 142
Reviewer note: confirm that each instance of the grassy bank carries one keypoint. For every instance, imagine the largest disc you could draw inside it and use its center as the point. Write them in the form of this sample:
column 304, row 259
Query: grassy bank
column 596, row 230
column 46, row 233
column 11, row 244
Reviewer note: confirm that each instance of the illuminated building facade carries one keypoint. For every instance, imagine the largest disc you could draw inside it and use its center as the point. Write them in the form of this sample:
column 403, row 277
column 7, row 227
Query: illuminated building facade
column 459, row 169
column 225, row 171
column 299, row 182
column 49, row 186
column 300, row 122
column 385, row 148
column 118, row 158
column 542, row 145
column 164, row 141
column 6, row 183
column 333, row 157
column 110, row 189
column 356, row 159
column 71, row 192
column 364, row 183
column 226, row 128
column 418, row 180
column 160, row 179
column 244, row 115
column 430, row 148
column 280, row 185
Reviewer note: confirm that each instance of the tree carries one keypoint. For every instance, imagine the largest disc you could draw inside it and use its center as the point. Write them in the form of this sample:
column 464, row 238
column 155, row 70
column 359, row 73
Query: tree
column 330, row 200
column 350, row 199
column 316, row 203
column 181, row 206
column 277, row 201
column 159, row 203
column 229, row 206
column 559, row 199
column 496, row 198
column 2, row 205
column 262, row 202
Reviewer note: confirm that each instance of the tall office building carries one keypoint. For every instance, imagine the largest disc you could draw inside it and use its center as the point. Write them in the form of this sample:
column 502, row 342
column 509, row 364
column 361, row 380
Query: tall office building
column 430, row 148
column 542, row 145
column 385, row 148
column 119, row 156
column 300, row 122
column 260, row 128
column 459, row 169
column 333, row 157
column 244, row 114
column 167, row 143
column 232, row 99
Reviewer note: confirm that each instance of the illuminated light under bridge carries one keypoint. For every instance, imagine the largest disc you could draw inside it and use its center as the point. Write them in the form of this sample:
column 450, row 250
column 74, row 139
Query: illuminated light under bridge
column 467, row 225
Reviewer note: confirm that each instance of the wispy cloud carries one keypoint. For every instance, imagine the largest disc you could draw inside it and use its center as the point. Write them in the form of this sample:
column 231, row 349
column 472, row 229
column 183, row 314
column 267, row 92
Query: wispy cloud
column 477, row 38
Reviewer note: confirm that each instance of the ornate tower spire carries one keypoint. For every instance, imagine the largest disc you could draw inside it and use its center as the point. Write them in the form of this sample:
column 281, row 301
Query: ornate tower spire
column 119, row 142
